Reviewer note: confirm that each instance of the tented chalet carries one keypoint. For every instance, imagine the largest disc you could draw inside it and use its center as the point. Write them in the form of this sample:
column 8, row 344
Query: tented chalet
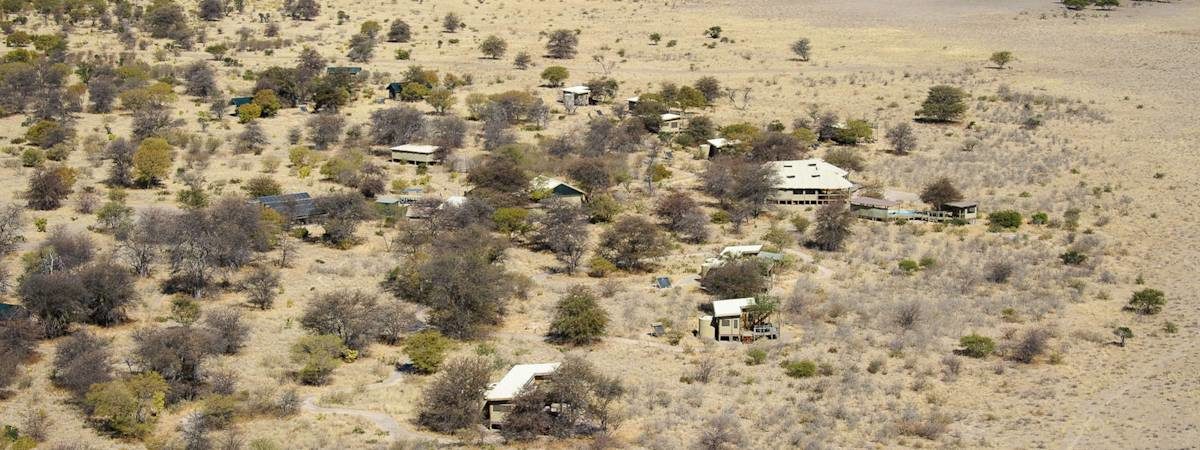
column 296, row 207
column 737, row 319
column 499, row 396
column 416, row 154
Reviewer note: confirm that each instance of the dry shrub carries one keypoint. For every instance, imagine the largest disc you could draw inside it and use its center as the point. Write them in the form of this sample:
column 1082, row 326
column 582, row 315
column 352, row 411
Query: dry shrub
column 929, row 426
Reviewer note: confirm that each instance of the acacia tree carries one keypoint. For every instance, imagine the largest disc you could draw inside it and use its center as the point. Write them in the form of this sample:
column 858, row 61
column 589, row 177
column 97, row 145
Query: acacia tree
column 802, row 48
column 744, row 277
column 902, row 138
column 1001, row 58
column 563, row 231
column 261, row 286
column 81, row 361
column 493, row 47
column 152, row 160
column 631, row 241
column 940, row 192
column 396, row 126
column 451, row 402
column 399, row 31
column 832, row 227
column 680, row 214
column 48, row 187
column 742, row 188
column 578, row 318
column 349, row 315
column 561, row 44
column 943, row 104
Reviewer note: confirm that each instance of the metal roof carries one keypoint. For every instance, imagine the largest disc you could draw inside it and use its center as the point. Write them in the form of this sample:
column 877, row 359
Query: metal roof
column 577, row 89
column 811, row 173
column 962, row 204
column 415, row 148
column 293, row 206
column 517, row 379
column 731, row 307
column 669, row 117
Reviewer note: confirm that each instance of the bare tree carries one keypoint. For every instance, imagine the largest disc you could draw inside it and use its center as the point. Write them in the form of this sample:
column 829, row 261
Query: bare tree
column 261, row 286
column 81, row 361
column 721, row 432
column 451, row 402
column 832, row 227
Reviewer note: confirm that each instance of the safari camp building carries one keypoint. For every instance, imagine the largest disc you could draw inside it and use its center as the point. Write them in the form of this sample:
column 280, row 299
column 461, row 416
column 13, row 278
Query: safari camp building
column 736, row 320
column 810, row 182
column 498, row 399
column 416, row 154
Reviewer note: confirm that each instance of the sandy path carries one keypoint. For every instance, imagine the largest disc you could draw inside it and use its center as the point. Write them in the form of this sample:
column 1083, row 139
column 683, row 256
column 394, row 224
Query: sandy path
column 396, row 431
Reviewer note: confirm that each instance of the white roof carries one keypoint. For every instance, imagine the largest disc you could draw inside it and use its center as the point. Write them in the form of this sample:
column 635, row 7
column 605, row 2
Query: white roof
column 731, row 307
column 517, row 378
column 577, row 89
column 721, row 142
column 669, row 116
column 633, row 99
column 455, row 200
column 415, row 148
column 739, row 250
column 813, row 173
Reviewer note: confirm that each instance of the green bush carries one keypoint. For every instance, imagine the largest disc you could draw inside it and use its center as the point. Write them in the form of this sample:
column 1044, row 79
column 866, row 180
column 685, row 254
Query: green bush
column 1004, row 220
column 800, row 369
column 599, row 267
column 1039, row 218
column 909, row 266
column 977, row 346
column 32, row 157
column 1148, row 301
column 403, row 55
column 755, row 356
column 1072, row 258
column 427, row 350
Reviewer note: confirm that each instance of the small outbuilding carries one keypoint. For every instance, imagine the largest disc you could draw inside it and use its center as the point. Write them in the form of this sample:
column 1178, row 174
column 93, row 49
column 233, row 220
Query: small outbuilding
column 632, row 102
column 297, row 207
column 576, row 95
column 394, row 89
column 714, row 147
column 416, row 154
column 670, row 123
column 499, row 396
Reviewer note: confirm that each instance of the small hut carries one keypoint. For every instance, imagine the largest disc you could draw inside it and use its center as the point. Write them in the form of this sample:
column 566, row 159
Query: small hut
column 576, row 95
column 714, row 147
column 671, row 123
column 394, row 89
